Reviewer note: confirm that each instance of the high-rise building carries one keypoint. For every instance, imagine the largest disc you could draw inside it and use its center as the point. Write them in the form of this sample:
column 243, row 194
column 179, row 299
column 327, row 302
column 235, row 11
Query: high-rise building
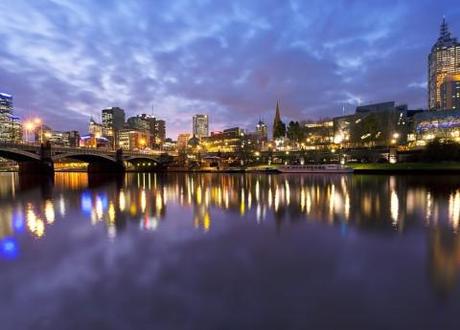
column 155, row 127
column 200, row 126
column 10, row 125
column 444, row 59
column 450, row 92
column 113, row 120
column 6, row 103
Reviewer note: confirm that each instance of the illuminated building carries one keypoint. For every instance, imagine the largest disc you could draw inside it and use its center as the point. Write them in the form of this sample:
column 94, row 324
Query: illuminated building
column 155, row 127
column 373, row 125
column 130, row 139
column 450, row 92
column 318, row 134
column 182, row 141
column 98, row 130
column 230, row 140
column 92, row 141
column 262, row 130
column 58, row 138
column 10, row 125
column 429, row 125
column 113, row 120
column 200, row 125
column 444, row 59
column 6, row 103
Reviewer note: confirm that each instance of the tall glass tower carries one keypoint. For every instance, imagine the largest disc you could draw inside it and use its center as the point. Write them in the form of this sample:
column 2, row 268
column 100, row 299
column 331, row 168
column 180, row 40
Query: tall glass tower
column 443, row 60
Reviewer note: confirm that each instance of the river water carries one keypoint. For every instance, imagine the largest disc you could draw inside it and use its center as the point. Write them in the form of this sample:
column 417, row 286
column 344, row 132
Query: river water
column 229, row 251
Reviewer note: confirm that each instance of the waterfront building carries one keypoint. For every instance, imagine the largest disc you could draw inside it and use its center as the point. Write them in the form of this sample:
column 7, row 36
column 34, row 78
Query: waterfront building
column 134, row 140
column 113, row 120
column 97, row 129
column 200, row 127
column 182, row 141
column 10, row 125
column 373, row 125
column 155, row 127
column 430, row 125
column 443, row 60
column 450, row 92
column 59, row 138
column 92, row 141
column 319, row 135
column 230, row 140
column 6, row 103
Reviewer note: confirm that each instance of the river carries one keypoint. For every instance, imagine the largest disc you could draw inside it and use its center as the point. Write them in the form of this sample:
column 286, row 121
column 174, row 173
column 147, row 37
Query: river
column 229, row 251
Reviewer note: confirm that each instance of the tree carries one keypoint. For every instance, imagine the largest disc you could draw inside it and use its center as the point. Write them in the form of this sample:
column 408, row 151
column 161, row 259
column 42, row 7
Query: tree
column 279, row 130
column 295, row 131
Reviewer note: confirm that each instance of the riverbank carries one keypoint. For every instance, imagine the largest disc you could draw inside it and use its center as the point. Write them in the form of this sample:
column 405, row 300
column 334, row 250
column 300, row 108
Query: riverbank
column 434, row 168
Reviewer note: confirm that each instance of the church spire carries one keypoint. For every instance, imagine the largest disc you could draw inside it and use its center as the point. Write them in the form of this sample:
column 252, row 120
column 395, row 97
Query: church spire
column 277, row 112
column 279, row 128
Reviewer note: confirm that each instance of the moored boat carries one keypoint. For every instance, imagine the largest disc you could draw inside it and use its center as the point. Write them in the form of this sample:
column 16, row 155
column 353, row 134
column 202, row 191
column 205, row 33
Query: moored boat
column 320, row 168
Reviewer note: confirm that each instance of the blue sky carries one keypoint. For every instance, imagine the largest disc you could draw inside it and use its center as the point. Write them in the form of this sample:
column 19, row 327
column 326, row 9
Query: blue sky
column 65, row 60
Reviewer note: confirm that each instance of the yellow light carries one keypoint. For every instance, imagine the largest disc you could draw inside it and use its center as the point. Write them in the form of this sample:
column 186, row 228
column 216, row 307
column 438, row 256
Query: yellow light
column 49, row 212
column 37, row 121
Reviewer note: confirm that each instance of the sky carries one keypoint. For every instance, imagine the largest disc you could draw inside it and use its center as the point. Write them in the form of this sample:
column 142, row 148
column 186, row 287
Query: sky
column 65, row 60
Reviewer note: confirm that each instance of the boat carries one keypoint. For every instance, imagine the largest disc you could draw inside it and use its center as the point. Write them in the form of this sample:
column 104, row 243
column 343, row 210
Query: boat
column 320, row 168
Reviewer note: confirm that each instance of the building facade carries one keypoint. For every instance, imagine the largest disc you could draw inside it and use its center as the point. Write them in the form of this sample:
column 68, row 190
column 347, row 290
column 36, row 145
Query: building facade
column 10, row 125
column 133, row 140
column 443, row 60
column 182, row 141
column 113, row 120
column 450, row 92
column 200, row 126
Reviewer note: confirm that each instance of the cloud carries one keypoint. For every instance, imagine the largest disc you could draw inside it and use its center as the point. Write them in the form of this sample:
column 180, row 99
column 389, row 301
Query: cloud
column 63, row 59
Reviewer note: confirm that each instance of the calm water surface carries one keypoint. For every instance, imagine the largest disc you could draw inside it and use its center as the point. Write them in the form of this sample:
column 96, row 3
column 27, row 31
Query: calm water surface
column 213, row 251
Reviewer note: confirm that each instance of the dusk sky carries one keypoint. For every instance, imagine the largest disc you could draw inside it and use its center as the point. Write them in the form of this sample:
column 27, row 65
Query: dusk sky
column 66, row 60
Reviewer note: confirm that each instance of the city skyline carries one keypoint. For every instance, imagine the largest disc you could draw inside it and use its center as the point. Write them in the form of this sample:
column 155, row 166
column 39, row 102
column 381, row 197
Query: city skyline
column 314, row 60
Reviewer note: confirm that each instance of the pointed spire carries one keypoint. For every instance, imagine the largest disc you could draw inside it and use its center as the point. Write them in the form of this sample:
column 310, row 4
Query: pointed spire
column 277, row 112
column 445, row 34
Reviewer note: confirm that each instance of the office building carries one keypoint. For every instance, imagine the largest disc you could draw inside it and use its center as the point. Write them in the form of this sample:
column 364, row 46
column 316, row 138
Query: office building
column 450, row 92
column 200, row 127
column 10, row 125
column 443, row 60
column 113, row 118
column 130, row 139
column 6, row 103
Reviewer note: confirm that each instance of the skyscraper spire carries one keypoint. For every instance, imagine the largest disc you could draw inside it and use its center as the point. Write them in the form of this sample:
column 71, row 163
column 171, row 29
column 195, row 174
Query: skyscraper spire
column 444, row 34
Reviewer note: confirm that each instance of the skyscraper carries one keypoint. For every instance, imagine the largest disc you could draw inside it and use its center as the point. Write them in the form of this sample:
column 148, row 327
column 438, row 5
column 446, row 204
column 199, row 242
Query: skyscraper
column 200, row 126
column 279, row 128
column 113, row 118
column 450, row 92
column 6, row 103
column 444, row 59
column 10, row 125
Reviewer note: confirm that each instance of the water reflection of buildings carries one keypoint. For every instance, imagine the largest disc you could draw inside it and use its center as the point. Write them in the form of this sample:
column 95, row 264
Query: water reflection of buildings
column 383, row 203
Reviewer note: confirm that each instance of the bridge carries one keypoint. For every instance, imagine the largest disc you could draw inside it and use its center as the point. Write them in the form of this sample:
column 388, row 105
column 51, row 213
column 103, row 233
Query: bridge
column 40, row 159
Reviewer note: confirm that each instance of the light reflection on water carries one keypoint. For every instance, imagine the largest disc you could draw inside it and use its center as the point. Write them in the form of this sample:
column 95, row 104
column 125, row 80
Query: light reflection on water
column 387, row 205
